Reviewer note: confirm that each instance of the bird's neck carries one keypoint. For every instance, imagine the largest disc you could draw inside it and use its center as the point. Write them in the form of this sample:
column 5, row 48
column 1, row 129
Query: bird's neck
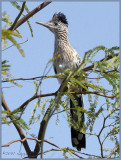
column 61, row 41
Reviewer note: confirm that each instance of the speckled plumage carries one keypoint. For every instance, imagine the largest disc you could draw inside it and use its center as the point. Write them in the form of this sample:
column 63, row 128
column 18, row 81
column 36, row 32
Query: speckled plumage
column 66, row 57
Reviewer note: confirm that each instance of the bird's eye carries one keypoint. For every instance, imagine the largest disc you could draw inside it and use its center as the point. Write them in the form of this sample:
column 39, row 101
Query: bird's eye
column 56, row 24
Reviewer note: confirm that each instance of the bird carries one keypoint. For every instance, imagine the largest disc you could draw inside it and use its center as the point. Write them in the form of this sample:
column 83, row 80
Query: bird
column 66, row 57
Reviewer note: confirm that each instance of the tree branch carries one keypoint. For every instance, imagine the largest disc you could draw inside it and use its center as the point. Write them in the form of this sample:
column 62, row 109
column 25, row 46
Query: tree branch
column 26, row 79
column 30, row 14
column 54, row 94
column 103, row 127
column 12, row 28
column 112, row 151
column 31, row 138
column 59, row 148
column 37, row 140
column 90, row 92
column 18, row 128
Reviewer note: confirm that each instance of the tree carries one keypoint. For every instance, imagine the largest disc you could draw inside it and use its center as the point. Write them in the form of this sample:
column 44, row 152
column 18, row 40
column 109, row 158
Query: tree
column 90, row 75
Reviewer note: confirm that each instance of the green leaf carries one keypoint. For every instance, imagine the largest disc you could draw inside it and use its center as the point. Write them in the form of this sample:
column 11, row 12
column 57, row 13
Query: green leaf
column 109, row 64
column 16, row 44
column 15, row 4
column 79, row 83
column 111, row 82
column 100, row 66
column 6, row 19
column 5, row 66
column 26, row 8
column 95, row 66
column 6, row 33
column 30, row 28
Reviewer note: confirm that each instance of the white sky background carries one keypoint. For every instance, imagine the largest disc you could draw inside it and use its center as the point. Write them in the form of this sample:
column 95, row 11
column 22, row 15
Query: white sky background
column 90, row 24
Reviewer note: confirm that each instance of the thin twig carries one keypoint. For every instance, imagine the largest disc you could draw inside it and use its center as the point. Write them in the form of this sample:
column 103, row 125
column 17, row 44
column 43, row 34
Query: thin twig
column 72, row 152
column 26, row 79
column 90, row 92
column 51, row 150
column 24, row 139
column 54, row 94
column 78, row 155
column 59, row 148
column 89, row 154
column 17, row 18
column 98, row 136
column 12, row 46
column 112, row 151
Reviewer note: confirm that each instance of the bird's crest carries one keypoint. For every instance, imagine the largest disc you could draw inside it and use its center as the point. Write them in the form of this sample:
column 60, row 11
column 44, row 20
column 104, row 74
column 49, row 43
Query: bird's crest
column 60, row 17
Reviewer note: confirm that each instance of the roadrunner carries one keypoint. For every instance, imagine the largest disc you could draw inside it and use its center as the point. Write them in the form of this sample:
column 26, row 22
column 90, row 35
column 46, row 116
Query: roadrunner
column 68, row 58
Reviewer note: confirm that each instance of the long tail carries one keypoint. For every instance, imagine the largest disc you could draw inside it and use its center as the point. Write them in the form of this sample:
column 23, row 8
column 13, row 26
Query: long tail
column 78, row 138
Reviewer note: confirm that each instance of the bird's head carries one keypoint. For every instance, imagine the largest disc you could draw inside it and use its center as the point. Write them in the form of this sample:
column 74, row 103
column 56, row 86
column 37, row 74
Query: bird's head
column 58, row 23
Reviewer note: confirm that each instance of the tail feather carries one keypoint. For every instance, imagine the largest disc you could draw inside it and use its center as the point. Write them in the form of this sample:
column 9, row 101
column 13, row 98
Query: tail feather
column 77, row 137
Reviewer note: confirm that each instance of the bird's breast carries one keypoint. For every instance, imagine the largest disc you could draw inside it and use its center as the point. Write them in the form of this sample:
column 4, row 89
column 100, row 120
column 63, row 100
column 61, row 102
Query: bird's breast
column 62, row 61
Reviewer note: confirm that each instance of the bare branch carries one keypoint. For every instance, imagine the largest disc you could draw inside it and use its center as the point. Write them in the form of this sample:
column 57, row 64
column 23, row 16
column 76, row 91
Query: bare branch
column 31, row 138
column 72, row 152
column 30, row 14
column 112, row 151
column 59, row 148
column 101, row 146
column 103, row 127
column 26, row 79
column 89, row 154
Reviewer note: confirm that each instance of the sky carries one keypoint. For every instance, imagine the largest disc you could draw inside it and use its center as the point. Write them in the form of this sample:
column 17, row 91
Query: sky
column 90, row 24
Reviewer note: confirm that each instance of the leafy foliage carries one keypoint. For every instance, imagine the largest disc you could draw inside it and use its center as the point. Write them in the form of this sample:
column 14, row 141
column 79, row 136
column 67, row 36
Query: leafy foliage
column 16, row 5
column 104, row 71
column 97, row 80
column 16, row 118
column 5, row 66
column 7, row 34
column 10, row 36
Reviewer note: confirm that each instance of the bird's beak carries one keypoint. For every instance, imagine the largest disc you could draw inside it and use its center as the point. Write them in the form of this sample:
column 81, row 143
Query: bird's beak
column 47, row 25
